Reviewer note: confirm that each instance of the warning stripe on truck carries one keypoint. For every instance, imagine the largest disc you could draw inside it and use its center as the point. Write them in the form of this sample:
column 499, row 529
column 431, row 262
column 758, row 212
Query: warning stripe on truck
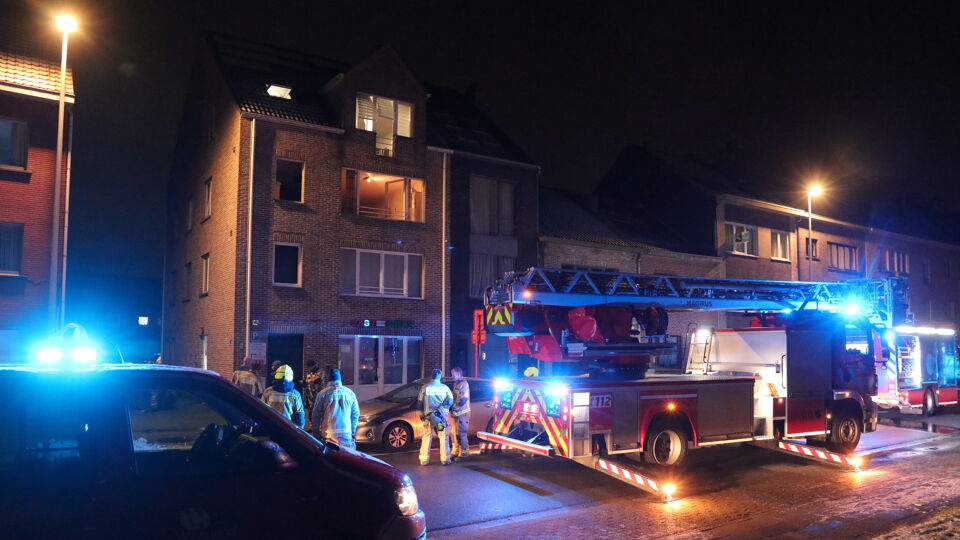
column 550, row 424
column 823, row 455
column 633, row 477
column 507, row 443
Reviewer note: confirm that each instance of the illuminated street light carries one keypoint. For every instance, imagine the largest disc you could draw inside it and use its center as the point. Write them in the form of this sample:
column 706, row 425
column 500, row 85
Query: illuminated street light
column 814, row 191
column 66, row 24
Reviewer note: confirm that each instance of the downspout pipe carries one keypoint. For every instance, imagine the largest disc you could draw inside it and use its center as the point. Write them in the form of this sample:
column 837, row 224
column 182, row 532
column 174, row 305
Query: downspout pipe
column 66, row 225
column 246, row 316
column 443, row 266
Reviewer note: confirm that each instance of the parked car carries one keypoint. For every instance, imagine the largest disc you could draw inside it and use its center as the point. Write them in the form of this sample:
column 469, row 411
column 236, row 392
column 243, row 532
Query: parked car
column 394, row 421
column 149, row 451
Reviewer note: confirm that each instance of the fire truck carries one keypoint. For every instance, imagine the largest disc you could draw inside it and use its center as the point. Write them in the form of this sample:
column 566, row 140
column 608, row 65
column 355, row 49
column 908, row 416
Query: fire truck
column 804, row 369
column 921, row 369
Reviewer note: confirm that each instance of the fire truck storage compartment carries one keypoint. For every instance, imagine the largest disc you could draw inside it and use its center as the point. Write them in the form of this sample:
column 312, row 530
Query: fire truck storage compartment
column 810, row 351
column 724, row 408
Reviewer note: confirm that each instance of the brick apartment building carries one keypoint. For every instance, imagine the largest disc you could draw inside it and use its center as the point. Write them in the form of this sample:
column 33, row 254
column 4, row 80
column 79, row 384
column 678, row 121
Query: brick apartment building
column 319, row 211
column 765, row 240
column 29, row 97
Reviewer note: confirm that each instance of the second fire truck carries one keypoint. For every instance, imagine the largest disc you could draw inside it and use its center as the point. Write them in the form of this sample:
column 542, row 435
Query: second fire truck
column 804, row 369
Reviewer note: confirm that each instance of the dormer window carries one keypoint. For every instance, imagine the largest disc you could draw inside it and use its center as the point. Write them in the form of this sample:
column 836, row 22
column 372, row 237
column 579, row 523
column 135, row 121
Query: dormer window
column 278, row 91
column 388, row 118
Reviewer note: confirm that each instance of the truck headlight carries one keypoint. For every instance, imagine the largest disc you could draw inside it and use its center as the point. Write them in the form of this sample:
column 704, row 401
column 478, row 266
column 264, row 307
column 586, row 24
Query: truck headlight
column 407, row 498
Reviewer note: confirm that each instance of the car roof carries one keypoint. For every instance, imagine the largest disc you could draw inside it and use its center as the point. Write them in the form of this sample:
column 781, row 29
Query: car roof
column 110, row 368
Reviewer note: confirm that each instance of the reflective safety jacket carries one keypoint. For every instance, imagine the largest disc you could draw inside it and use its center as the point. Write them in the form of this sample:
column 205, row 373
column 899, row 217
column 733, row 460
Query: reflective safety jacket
column 288, row 403
column 248, row 381
column 335, row 413
column 434, row 396
column 461, row 398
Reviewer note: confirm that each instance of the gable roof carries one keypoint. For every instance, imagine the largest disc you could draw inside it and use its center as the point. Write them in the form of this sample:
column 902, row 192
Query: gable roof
column 453, row 121
column 33, row 73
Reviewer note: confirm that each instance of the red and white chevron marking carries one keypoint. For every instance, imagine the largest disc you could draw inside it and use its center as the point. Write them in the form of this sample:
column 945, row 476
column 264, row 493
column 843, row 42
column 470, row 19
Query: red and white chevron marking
column 816, row 453
column 642, row 481
column 493, row 446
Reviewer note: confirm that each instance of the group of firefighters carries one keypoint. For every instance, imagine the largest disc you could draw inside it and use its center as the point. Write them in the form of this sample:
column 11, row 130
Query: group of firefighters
column 335, row 410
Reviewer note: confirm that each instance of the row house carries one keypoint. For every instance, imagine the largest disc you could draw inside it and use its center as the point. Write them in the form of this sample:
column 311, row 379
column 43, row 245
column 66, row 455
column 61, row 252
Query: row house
column 30, row 286
column 765, row 240
column 319, row 211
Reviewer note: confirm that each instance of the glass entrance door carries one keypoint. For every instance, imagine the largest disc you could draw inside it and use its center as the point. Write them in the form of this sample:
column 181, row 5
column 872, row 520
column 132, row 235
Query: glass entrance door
column 374, row 365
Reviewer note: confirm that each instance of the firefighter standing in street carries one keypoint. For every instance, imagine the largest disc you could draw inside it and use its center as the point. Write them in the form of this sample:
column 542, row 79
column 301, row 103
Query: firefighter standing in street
column 434, row 402
column 460, row 411
column 335, row 413
column 284, row 398
column 247, row 380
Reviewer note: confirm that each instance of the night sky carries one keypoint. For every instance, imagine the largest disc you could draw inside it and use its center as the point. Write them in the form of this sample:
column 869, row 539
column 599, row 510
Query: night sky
column 863, row 95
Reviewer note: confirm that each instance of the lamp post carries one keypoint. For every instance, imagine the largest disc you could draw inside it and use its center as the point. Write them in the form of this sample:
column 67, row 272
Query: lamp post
column 814, row 191
column 66, row 24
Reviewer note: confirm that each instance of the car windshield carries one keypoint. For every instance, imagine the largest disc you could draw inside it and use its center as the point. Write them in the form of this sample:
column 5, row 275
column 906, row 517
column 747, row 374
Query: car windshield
column 404, row 393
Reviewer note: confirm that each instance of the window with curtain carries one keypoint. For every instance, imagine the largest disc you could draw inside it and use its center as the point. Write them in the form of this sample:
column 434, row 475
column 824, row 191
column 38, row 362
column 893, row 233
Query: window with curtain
column 844, row 257
column 11, row 248
column 486, row 269
column 381, row 273
column 491, row 206
column 780, row 245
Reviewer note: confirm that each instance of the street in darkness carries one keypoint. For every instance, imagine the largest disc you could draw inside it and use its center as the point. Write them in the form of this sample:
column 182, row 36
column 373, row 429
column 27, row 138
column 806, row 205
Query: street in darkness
column 732, row 492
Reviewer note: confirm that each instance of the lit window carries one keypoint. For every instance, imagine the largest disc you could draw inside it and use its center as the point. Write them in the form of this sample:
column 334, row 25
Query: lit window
column 387, row 118
column 287, row 261
column 278, row 91
column 208, row 198
column 742, row 239
column 13, row 143
column 382, row 196
column 897, row 262
column 844, row 257
column 381, row 273
column 143, row 321
column 376, row 360
column 11, row 248
column 780, row 245
column 289, row 184
column 205, row 275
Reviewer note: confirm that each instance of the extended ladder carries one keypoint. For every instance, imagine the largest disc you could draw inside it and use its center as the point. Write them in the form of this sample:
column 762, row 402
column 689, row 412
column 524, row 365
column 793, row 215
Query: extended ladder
column 883, row 301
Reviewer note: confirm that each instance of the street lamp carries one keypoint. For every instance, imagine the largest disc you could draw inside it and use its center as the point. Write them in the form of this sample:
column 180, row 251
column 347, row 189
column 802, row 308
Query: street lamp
column 66, row 24
column 814, row 191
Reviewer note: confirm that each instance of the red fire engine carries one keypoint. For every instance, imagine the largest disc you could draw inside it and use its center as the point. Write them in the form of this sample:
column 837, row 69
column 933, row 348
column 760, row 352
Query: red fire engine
column 806, row 370
column 921, row 369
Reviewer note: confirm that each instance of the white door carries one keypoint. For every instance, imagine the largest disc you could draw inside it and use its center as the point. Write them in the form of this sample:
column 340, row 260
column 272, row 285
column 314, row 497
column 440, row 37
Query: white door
column 374, row 365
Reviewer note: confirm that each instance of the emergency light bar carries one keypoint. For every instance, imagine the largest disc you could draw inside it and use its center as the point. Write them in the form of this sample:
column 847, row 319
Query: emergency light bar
column 925, row 330
column 70, row 348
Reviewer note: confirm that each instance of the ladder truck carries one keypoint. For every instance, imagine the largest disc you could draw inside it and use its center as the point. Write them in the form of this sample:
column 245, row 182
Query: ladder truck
column 921, row 370
column 805, row 370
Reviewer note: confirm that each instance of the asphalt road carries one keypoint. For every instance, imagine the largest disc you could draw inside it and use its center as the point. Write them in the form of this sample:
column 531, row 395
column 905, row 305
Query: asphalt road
column 734, row 491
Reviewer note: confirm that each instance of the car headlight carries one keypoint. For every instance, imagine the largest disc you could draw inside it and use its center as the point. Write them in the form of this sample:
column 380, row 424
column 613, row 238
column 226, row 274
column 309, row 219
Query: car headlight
column 407, row 498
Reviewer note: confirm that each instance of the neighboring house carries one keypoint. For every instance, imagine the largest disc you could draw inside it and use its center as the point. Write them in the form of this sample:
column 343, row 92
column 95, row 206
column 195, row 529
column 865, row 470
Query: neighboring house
column 764, row 240
column 316, row 212
column 29, row 97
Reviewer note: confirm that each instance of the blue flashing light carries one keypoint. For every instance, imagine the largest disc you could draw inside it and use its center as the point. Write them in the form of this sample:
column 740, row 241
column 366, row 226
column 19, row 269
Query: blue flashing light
column 49, row 355
column 787, row 311
column 501, row 385
column 852, row 309
column 503, row 388
column 890, row 336
column 558, row 390
column 83, row 355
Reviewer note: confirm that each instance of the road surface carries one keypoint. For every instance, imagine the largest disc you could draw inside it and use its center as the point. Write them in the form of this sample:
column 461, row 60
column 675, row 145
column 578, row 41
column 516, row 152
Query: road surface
column 736, row 491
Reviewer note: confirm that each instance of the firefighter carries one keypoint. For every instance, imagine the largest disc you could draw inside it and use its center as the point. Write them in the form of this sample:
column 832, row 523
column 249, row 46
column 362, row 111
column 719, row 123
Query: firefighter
column 434, row 402
column 335, row 413
column 284, row 398
column 247, row 380
column 460, row 411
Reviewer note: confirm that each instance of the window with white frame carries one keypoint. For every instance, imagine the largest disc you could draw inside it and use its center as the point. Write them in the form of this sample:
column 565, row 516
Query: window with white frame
column 807, row 244
column 11, row 248
column 289, row 183
column 780, row 245
column 287, row 262
column 382, row 196
column 844, row 257
column 208, row 198
column 13, row 142
column 741, row 238
column 380, row 360
column 486, row 269
column 491, row 206
column 205, row 275
column 381, row 273
column 387, row 118
column 897, row 262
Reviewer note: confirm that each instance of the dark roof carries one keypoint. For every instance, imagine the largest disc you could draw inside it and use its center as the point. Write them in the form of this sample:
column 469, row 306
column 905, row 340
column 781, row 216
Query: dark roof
column 33, row 73
column 249, row 68
column 454, row 122
column 565, row 215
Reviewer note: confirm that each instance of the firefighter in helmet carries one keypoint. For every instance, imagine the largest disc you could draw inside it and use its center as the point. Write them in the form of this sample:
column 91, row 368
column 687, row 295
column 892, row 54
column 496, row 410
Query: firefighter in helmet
column 284, row 398
column 460, row 413
column 335, row 413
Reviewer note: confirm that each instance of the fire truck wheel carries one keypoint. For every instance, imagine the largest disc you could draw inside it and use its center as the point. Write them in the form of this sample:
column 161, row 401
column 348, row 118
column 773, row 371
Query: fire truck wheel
column 929, row 403
column 845, row 432
column 666, row 445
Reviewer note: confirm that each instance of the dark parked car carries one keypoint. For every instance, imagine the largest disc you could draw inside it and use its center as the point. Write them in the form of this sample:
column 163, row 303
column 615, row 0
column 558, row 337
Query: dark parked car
column 139, row 451
column 394, row 421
